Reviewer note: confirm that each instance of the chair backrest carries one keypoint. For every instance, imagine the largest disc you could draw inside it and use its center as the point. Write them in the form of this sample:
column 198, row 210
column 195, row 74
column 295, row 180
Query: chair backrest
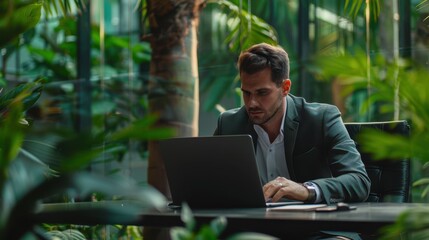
column 390, row 178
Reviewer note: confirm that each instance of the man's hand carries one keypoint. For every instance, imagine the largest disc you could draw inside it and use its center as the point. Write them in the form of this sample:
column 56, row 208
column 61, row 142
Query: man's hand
column 283, row 187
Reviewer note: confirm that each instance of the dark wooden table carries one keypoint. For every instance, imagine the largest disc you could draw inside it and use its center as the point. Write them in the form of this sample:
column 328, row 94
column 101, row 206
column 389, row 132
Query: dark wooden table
column 368, row 218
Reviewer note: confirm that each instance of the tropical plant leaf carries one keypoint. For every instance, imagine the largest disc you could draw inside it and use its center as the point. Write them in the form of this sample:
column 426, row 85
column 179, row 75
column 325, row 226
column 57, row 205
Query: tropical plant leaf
column 71, row 234
column 206, row 232
column 422, row 182
column 43, row 53
column 245, row 29
column 12, row 105
column 180, row 233
column 144, row 129
column 212, row 231
column 76, row 151
column 423, row 5
column 29, row 92
column 353, row 7
column 81, row 185
column 388, row 146
column 412, row 224
column 17, row 19
column 237, row 29
column 11, row 137
column 141, row 52
column 53, row 7
column 218, row 225
column 217, row 90
column 187, row 217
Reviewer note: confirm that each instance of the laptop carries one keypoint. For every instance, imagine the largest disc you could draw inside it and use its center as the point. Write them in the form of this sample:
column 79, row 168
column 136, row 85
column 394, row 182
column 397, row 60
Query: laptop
column 214, row 172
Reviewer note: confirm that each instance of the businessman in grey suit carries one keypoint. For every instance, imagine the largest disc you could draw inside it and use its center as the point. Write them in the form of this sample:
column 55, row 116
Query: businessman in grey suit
column 303, row 150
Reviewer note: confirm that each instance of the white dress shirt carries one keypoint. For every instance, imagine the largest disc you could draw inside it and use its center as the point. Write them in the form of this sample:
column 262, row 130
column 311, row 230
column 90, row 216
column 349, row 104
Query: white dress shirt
column 271, row 159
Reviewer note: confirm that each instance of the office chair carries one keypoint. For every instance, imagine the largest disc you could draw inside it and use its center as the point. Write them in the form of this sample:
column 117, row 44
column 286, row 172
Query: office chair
column 390, row 179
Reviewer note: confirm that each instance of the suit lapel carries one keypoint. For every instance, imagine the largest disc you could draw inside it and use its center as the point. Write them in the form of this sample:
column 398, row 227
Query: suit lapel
column 254, row 135
column 251, row 130
column 290, row 127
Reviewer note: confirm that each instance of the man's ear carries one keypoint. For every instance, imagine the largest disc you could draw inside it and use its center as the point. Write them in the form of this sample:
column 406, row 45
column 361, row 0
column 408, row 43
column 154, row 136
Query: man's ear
column 286, row 86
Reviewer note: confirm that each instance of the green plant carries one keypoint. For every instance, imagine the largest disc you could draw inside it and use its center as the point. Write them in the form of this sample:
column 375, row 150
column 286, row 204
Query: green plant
column 412, row 224
column 389, row 89
column 25, row 181
column 66, row 234
column 25, row 184
column 395, row 87
column 12, row 105
column 212, row 231
column 234, row 28
column 17, row 17
column 363, row 103
column 111, row 109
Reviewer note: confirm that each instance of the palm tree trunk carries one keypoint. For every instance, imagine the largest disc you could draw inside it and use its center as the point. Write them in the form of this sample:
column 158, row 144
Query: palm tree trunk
column 173, row 85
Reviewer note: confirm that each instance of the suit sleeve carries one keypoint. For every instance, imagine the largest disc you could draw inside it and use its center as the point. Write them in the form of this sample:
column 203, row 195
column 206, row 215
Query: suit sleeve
column 350, row 181
column 233, row 121
column 218, row 126
column 220, row 120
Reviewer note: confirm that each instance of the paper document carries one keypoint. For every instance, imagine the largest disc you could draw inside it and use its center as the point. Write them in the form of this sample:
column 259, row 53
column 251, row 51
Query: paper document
column 299, row 207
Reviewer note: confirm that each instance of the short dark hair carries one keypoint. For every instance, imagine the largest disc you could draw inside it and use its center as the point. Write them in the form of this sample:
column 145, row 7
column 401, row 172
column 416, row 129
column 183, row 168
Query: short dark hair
column 260, row 56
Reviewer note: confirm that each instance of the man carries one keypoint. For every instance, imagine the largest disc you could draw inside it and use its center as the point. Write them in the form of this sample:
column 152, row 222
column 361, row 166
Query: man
column 303, row 150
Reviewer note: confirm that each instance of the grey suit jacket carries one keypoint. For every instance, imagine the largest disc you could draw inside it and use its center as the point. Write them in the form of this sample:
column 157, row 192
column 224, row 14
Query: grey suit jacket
column 317, row 147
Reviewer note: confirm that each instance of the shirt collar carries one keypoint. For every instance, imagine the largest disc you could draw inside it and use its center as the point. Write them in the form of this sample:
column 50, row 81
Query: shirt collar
column 259, row 130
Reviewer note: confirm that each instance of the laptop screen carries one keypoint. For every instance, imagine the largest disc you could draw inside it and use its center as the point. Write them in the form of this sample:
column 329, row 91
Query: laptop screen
column 213, row 171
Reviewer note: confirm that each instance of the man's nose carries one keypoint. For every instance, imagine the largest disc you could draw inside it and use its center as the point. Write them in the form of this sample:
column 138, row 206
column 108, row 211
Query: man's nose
column 253, row 101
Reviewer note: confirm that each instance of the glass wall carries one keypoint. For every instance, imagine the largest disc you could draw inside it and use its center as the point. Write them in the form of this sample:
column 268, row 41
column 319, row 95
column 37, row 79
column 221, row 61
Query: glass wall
column 94, row 65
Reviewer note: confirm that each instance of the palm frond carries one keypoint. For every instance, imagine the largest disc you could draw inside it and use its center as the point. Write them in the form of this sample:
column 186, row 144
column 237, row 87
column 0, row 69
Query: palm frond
column 16, row 19
column 353, row 7
column 64, row 8
column 246, row 29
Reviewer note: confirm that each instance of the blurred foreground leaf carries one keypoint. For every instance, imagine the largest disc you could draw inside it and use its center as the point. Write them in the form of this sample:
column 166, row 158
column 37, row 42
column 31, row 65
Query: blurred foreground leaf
column 24, row 214
column 212, row 231
column 412, row 224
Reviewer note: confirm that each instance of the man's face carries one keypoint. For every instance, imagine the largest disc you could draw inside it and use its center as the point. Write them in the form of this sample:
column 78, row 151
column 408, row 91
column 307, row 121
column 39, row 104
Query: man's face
column 262, row 97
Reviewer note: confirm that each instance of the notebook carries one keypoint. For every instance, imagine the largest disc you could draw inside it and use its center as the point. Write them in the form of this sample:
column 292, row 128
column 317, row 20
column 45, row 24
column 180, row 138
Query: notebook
column 213, row 172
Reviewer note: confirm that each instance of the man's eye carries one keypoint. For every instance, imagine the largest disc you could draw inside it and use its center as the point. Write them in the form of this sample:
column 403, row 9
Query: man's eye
column 263, row 93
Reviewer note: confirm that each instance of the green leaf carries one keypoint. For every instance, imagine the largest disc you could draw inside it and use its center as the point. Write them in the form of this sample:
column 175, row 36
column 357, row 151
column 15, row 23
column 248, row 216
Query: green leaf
column 63, row 7
column 206, row 233
column 45, row 54
column 217, row 91
column 66, row 234
column 82, row 185
column 187, row 217
column 144, row 129
column 422, row 181
column 412, row 224
column 76, row 151
column 180, row 233
column 355, row 6
column 102, row 107
column 17, row 20
column 11, row 138
column 388, row 146
column 141, row 52
column 251, row 236
column 245, row 29
column 218, row 225
column 28, row 93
